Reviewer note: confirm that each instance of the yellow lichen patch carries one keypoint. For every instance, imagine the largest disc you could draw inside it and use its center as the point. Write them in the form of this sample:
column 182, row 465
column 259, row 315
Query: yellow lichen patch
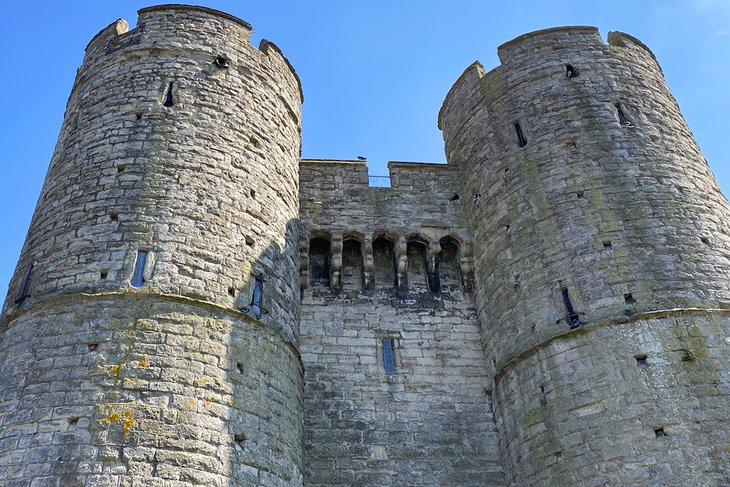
column 115, row 370
column 207, row 402
column 190, row 404
column 127, row 423
column 144, row 363
column 113, row 417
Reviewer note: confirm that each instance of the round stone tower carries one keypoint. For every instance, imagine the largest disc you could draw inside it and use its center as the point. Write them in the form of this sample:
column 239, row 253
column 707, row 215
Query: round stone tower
column 150, row 331
column 601, row 260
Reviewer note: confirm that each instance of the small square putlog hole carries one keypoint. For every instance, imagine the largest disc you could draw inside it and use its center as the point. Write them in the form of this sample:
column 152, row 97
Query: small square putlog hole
column 641, row 360
column 103, row 273
column 607, row 244
column 629, row 299
column 659, row 432
column 232, row 292
column 121, row 168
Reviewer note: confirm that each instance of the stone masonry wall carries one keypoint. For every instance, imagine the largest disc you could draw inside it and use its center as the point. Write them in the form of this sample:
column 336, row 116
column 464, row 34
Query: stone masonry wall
column 595, row 215
column 431, row 421
column 180, row 140
column 130, row 173
column 121, row 389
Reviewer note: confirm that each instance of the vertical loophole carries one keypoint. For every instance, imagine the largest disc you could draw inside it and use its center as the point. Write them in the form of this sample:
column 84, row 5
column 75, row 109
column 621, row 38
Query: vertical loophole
column 521, row 140
column 103, row 273
column 138, row 277
column 622, row 118
column 25, row 290
column 572, row 316
column 257, row 297
column 168, row 100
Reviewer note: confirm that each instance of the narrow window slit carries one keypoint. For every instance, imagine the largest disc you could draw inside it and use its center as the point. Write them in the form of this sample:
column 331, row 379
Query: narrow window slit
column 641, row 360
column 25, row 291
column 629, row 299
column 388, row 356
column 257, row 297
column 622, row 118
column 232, row 292
column 572, row 317
column 138, row 277
column 168, row 102
column 521, row 140
column 239, row 367
column 253, row 194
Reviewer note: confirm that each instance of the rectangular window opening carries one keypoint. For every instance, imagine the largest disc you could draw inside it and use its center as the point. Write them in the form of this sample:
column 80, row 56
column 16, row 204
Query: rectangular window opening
column 389, row 356
column 138, row 277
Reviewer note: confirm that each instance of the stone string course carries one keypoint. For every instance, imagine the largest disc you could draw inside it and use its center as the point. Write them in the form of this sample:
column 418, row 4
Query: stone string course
column 556, row 295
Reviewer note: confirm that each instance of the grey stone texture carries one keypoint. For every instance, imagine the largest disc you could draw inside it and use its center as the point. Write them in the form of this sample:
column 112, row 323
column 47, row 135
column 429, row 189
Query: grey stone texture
column 195, row 305
column 626, row 221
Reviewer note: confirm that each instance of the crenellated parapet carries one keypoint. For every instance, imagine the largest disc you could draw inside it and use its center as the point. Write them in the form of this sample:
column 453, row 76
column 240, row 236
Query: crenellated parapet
column 421, row 209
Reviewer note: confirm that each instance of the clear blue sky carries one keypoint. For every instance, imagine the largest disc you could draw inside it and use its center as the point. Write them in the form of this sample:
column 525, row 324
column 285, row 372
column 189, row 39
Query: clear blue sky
column 374, row 72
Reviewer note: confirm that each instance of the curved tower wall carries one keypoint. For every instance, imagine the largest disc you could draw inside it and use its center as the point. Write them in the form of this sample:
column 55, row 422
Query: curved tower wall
column 622, row 218
column 180, row 140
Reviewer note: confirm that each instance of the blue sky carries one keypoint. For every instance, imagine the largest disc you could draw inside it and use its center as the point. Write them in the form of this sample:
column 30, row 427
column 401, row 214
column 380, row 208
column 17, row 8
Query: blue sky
column 374, row 72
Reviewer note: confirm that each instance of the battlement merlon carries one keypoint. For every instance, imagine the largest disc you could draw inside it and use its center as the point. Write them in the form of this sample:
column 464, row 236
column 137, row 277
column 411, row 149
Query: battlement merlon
column 523, row 56
column 331, row 174
column 205, row 30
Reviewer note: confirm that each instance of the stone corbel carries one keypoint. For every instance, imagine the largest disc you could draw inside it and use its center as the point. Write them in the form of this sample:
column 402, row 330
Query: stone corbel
column 434, row 249
column 368, row 262
column 401, row 253
column 336, row 262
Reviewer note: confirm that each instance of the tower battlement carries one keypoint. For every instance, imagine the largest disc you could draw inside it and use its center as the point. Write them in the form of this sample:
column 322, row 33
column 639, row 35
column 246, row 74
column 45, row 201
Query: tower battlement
column 196, row 305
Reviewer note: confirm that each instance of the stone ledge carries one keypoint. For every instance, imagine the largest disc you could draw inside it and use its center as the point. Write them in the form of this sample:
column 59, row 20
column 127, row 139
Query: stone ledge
column 662, row 313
